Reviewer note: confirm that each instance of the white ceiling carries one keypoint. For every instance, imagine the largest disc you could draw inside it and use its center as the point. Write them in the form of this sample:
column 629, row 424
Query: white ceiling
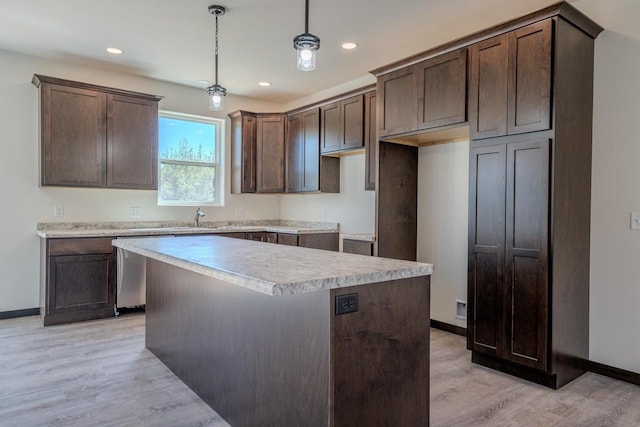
column 173, row 40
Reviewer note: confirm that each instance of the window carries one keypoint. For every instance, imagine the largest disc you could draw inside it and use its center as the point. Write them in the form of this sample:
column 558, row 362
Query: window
column 189, row 150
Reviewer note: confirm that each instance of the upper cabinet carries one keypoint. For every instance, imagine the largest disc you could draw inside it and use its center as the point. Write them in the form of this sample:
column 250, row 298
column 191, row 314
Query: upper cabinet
column 426, row 95
column 243, row 152
column 510, row 82
column 93, row 136
column 442, row 90
column 370, row 140
column 270, row 153
column 306, row 170
column 257, row 152
column 342, row 125
column 132, row 142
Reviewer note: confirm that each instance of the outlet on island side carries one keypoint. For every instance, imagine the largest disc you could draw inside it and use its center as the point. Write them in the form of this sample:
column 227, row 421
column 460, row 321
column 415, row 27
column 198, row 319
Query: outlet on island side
column 346, row 304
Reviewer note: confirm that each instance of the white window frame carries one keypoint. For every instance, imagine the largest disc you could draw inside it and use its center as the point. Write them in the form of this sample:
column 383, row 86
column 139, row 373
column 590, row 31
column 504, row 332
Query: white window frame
column 217, row 161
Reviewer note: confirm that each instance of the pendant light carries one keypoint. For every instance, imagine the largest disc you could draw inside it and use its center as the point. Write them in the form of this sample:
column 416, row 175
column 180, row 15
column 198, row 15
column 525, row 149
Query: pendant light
column 215, row 91
column 306, row 45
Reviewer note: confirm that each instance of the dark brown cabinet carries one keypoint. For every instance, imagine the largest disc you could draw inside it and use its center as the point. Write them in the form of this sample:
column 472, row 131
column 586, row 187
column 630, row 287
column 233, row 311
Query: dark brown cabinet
column 397, row 102
column 342, row 125
column 243, row 152
column 79, row 283
column 270, row 153
column 370, row 140
column 132, row 142
column 326, row 241
column 426, row 95
column 258, row 236
column 510, row 84
column 508, row 229
column 442, row 90
column 306, row 170
column 359, row 247
column 530, row 108
column 93, row 136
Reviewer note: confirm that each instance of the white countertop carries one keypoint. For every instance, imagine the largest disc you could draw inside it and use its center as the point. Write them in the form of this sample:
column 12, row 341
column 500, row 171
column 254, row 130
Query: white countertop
column 270, row 268
column 65, row 230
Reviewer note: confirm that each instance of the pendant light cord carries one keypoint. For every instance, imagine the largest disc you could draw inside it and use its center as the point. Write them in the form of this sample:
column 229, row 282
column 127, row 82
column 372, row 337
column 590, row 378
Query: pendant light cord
column 216, row 51
column 306, row 16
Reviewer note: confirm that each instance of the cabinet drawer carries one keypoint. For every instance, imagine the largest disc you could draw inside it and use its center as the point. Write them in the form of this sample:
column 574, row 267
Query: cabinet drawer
column 259, row 236
column 357, row 247
column 288, row 239
column 79, row 246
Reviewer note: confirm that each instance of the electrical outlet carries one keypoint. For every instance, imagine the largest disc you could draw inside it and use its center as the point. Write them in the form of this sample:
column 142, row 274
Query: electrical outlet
column 635, row 220
column 58, row 211
column 346, row 303
column 239, row 212
column 134, row 212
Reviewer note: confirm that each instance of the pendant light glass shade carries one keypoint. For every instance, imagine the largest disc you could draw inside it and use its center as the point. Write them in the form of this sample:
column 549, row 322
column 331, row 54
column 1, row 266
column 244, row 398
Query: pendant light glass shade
column 306, row 45
column 216, row 92
column 216, row 97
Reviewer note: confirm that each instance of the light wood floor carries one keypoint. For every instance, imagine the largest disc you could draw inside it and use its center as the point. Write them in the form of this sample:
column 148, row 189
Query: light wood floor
column 98, row 373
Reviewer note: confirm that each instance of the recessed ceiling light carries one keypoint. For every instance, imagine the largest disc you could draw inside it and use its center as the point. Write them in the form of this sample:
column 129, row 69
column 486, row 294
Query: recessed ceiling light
column 203, row 82
column 349, row 45
column 265, row 84
column 114, row 50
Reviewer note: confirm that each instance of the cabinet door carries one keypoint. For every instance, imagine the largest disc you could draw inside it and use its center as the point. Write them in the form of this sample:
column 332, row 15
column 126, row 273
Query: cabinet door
column 79, row 283
column 526, row 272
column 270, row 154
column 488, row 88
column 370, row 139
column 132, row 142
column 294, row 149
column 311, row 151
column 73, row 136
column 530, row 78
column 442, row 90
column 331, row 128
column 243, row 153
column 486, row 249
column 352, row 126
column 397, row 103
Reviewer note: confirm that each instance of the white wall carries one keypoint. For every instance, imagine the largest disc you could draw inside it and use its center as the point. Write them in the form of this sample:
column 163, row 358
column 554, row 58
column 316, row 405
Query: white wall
column 615, row 249
column 443, row 211
column 353, row 207
column 24, row 203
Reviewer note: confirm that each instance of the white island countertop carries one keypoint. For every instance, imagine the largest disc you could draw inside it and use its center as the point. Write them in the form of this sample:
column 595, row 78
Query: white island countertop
column 270, row 268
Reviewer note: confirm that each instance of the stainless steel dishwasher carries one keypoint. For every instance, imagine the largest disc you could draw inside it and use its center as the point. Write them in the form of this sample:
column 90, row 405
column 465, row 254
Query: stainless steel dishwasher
column 132, row 276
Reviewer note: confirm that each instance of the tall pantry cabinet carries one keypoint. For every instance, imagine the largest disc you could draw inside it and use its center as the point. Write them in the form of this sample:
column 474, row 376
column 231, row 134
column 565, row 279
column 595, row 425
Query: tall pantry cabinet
column 530, row 117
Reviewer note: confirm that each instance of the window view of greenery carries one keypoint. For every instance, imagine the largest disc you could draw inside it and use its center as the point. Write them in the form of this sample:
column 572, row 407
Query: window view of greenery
column 188, row 162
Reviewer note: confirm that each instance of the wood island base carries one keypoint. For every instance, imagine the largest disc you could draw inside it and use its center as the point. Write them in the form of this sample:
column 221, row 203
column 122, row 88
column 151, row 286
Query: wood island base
column 288, row 360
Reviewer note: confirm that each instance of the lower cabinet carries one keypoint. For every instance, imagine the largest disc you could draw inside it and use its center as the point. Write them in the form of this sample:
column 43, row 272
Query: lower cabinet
column 510, row 283
column 79, row 280
column 259, row 236
column 359, row 247
column 326, row 241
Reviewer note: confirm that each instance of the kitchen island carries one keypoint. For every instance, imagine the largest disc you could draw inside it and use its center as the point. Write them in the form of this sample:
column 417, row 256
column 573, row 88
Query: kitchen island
column 284, row 336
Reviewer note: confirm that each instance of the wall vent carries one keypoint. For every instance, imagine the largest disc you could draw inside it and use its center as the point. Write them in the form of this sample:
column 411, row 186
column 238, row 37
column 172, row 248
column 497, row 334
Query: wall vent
column 461, row 309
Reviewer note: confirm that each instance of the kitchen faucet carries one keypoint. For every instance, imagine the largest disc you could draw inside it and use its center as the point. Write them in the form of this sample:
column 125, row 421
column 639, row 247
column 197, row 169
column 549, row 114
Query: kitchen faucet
column 196, row 221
